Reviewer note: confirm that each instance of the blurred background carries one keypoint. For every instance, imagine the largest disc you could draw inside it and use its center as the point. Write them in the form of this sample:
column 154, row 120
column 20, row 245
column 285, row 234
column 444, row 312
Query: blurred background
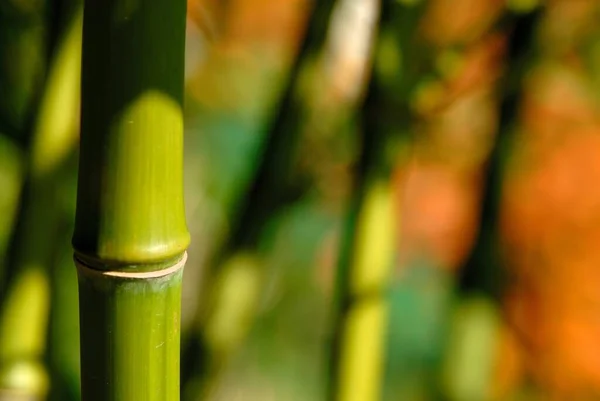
column 390, row 200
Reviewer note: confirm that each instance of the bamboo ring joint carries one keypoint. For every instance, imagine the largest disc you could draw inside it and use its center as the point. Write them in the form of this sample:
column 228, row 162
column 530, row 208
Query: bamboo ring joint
column 132, row 275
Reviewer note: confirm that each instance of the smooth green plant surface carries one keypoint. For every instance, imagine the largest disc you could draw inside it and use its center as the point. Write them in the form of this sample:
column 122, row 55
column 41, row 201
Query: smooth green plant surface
column 130, row 211
column 130, row 336
column 362, row 347
column 130, row 232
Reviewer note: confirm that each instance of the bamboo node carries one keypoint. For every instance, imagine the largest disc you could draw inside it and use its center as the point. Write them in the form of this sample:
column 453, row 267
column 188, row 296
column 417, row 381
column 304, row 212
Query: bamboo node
column 83, row 268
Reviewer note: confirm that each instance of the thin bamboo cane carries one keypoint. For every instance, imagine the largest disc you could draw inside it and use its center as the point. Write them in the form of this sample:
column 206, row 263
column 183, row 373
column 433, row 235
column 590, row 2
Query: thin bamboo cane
column 130, row 232
column 23, row 50
column 12, row 173
column 24, row 313
column 367, row 252
column 362, row 340
column 482, row 281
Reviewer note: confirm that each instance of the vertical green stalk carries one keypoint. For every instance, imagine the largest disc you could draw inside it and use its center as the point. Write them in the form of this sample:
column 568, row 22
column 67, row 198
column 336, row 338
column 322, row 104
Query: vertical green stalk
column 130, row 232
column 23, row 49
column 482, row 282
column 130, row 334
column 359, row 370
column 361, row 307
column 24, row 312
column 12, row 169
column 483, row 271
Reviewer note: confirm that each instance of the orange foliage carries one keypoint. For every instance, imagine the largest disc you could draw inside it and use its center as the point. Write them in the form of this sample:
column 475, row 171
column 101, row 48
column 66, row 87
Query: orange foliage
column 278, row 23
column 508, row 372
column 566, row 23
column 482, row 65
column 449, row 22
column 550, row 215
column 439, row 213
column 205, row 14
column 251, row 44
column 441, row 194
column 249, row 21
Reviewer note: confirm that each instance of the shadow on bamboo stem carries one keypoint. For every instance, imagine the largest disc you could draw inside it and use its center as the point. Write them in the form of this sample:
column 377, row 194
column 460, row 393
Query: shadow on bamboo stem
column 63, row 336
column 130, row 233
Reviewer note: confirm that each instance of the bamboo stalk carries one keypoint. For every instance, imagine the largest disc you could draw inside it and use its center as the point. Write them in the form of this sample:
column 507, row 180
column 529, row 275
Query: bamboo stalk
column 484, row 277
column 483, row 271
column 361, row 307
column 362, row 338
column 23, row 50
column 130, row 232
column 130, row 333
column 24, row 313
column 11, row 177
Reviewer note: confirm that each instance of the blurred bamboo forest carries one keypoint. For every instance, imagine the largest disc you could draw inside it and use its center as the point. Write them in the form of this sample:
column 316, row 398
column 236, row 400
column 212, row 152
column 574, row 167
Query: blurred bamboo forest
column 388, row 200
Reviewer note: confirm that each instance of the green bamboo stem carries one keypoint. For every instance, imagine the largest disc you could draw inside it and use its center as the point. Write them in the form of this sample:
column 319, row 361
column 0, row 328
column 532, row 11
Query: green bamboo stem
column 11, row 178
column 130, row 211
column 130, row 333
column 361, row 307
column 362, row 337
column 130, row 233
column 23, row 47
column 24, row 313
column 63, row 331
